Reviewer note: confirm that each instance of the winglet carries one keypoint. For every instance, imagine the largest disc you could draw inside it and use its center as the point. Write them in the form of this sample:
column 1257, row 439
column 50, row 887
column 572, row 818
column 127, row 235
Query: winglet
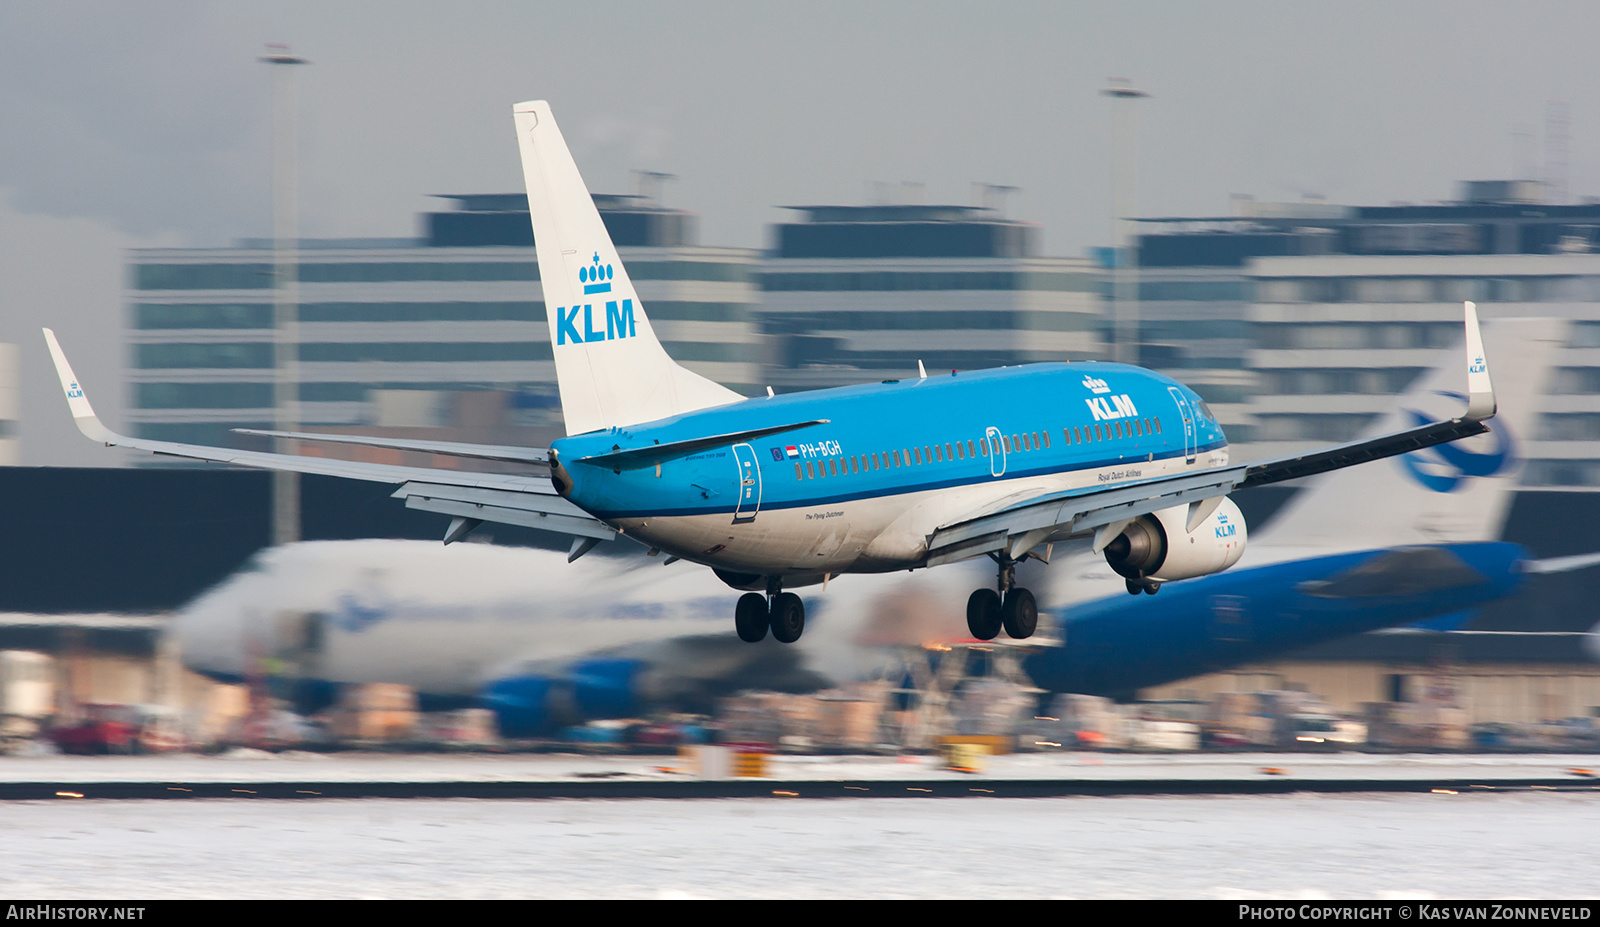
column 1480, row 392
column 82, row 412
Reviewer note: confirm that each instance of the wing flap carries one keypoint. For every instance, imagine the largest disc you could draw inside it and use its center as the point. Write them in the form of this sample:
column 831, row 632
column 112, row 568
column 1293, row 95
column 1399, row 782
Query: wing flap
column 549, row 513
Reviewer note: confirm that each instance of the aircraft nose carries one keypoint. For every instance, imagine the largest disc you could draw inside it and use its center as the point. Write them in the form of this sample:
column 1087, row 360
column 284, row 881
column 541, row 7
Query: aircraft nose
column 209, row 640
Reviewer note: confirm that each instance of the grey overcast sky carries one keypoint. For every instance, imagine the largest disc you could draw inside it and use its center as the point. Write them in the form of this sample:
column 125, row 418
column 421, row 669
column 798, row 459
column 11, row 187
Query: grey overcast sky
column 136, row 125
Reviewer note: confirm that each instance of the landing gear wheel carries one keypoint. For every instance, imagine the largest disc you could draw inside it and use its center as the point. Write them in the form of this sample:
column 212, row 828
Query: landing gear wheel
column 788, row 617
column 983, row 614
column 1152, row 589
column 1020, row 614
column 1133, row 587
column 750, row 617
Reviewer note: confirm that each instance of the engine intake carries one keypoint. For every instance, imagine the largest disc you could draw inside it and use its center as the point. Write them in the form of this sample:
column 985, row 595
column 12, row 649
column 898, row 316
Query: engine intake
column 1156, row 546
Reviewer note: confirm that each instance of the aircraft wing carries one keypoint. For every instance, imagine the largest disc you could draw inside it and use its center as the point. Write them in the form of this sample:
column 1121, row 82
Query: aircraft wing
column 502, row 452
column 1019, row 525
column 471, row 498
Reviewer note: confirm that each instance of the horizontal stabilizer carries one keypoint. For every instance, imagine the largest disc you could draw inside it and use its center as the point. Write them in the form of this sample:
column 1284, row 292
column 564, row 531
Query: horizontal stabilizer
column 652, row 454
column 502, row 452
column 1560, row 564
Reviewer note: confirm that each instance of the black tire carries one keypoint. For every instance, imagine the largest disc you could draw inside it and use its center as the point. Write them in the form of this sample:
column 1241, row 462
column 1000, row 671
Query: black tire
column 983, row 614
column 750, row 617
column 1152, row 589
column 1133, row 587
column 788, row 617
column 1020, row 614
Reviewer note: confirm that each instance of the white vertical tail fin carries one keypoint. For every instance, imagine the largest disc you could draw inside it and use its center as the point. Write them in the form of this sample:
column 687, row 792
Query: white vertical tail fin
column 609, row 365
column 1454, row 492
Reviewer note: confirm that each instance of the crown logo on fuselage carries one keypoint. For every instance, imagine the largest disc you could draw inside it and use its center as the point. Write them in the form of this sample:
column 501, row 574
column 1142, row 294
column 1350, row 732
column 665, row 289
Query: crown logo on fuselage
column 1095, row 384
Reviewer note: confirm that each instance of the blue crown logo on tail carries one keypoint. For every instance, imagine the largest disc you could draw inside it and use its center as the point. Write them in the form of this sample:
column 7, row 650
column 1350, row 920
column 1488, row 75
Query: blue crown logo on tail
column 595, row 278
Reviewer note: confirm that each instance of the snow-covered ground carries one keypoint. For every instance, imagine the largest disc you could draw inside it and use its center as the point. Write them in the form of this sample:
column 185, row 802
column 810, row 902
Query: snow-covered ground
column 1523, row 844
column 1468, row 845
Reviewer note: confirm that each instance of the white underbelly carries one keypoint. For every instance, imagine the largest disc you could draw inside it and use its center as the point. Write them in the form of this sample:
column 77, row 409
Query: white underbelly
column 871, row 535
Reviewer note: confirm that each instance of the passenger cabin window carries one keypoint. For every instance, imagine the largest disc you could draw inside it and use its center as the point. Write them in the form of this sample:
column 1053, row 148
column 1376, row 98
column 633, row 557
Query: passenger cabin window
column 799, row 473
column 1046, row 435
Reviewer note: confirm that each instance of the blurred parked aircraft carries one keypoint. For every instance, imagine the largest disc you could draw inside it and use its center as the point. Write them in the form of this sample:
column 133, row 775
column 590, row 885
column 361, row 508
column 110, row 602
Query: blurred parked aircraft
column 540, row 641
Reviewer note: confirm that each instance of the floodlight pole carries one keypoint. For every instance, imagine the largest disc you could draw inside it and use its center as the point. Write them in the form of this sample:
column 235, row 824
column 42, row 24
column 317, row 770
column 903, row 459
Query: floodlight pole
column 285, row 279
column 1125, row 270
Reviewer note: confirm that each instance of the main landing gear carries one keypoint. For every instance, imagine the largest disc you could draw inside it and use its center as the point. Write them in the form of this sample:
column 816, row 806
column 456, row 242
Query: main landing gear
column 782, row 612
column 1012, row 608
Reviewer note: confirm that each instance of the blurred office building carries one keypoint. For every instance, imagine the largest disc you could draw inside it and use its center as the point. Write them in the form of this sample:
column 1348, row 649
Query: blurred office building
column 853, row 294
column 1332, row 310
column 441, row 336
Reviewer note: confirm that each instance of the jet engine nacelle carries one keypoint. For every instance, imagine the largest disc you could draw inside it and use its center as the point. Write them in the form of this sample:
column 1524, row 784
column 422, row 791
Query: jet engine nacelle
column 535, row 705
column 1156, row 546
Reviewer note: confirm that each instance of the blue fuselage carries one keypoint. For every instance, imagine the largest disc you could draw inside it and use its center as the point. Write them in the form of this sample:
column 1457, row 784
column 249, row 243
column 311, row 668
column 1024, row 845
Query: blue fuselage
column 893, row 462
column 1115, row 645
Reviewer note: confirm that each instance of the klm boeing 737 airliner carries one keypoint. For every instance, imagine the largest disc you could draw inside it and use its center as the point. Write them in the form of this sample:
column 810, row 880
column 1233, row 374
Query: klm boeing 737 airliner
column 779, row 492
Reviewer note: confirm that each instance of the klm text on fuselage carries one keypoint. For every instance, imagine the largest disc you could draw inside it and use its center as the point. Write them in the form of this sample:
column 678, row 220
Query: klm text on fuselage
column 1118, row 407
